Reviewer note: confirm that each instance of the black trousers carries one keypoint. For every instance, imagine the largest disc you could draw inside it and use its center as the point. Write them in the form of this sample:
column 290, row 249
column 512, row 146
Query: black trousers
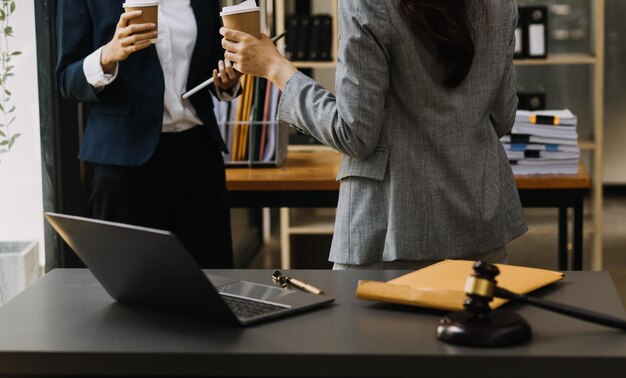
column 181, row 189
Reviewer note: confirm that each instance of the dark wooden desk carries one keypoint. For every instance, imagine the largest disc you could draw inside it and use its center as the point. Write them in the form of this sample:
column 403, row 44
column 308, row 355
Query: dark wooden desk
column 308, row 179
column 66, row 325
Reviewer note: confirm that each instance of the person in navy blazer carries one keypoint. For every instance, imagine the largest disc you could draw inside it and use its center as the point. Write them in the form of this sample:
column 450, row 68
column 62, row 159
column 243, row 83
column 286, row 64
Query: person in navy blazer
column 157, row 158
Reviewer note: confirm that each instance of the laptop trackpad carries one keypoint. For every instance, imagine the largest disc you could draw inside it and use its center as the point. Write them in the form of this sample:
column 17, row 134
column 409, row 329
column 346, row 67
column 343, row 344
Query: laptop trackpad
column 254, row 291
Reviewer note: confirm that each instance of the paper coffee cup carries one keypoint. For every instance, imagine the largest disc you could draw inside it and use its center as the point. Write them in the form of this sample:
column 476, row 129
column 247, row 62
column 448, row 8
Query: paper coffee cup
column 245, row 17
column 149, row 11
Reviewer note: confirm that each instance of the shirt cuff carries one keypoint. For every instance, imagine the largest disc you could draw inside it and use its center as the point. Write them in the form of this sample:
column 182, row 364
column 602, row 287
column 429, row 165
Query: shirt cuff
column 228, row 94
column 94, row 73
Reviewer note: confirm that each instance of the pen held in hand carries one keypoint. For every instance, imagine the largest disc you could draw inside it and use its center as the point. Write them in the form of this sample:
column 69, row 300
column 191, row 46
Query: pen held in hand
column 205, row 84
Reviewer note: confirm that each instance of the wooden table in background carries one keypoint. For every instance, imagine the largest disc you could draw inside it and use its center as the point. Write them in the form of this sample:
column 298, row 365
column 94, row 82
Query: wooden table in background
column 308, row 179
column 563, row 192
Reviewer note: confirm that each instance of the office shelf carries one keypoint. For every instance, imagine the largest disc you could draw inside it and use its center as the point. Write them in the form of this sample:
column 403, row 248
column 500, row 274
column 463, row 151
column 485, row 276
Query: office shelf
column 587, row 145
column 595, row 144
column 330, row 64
column 281, row 13
column 560, row 59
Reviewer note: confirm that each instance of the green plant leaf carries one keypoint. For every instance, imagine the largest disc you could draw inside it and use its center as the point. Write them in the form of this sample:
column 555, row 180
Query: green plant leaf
column 8, row 30
column 14, row 137
column 12, row 6
column 12, row 109
column 7, row 92
column 4, row 143
column 16, row 53
column 2, row 134
column 1, row 108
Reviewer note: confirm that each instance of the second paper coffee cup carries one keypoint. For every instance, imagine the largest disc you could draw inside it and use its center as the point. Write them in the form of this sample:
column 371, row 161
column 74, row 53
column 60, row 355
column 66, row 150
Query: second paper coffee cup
column 245, row 17
column 149, row 11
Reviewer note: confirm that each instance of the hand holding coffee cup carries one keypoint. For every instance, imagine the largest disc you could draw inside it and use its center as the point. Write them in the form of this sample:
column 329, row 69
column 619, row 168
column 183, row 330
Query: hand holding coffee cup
column 245, row 17
column 256, row 56
column 149, row 11
column 130, row 36
column 244, row 44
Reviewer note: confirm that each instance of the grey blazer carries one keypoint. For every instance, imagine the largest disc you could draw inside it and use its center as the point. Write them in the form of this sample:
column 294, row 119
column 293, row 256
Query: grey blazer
column 424, row 175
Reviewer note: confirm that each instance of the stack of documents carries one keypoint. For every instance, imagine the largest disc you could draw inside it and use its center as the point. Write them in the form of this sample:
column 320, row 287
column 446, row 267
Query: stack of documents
column 543, row 142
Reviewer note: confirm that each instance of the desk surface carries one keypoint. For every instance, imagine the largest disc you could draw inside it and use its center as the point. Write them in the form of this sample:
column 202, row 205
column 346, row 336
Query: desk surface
column 66, row 324
column 303, row 170
column 317, row 170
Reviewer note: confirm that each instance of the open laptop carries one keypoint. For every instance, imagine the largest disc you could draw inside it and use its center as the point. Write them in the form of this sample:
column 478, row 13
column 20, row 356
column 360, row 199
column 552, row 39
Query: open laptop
column 149, row 267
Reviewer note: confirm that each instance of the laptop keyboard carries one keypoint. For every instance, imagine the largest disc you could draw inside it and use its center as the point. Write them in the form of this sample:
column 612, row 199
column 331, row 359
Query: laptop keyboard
column 245, row 308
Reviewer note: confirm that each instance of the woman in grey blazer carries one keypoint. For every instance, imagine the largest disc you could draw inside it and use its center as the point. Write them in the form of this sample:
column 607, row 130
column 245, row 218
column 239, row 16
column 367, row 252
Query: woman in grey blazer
column 424, row 91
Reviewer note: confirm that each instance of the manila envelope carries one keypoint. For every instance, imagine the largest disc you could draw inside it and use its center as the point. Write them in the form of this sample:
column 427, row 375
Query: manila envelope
column 442, row 285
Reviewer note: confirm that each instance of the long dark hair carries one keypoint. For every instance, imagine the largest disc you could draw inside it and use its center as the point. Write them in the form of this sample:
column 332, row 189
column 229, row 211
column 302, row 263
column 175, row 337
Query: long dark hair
column 444, row 26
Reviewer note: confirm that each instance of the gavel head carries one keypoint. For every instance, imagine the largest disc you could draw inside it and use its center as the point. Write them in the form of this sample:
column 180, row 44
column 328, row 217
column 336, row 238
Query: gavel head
column 478, row 325
column 480, row 288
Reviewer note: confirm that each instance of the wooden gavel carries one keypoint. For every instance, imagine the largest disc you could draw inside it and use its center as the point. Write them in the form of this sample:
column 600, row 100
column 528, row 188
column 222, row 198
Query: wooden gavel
column 481, row 326
column 482, row 286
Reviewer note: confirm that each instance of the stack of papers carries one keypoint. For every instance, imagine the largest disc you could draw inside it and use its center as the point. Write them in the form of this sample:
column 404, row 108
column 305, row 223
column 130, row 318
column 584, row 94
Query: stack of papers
column 543, row 142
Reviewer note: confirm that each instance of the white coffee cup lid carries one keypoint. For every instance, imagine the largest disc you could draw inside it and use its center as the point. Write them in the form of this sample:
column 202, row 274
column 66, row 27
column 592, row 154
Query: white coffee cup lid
column 140, row 3
column 245, row 7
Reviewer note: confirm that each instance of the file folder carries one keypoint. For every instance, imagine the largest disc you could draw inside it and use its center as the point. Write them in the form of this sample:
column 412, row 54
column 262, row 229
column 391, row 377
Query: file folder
column 441, row 286
column 536, row 38
column 520, row 50
column 293, row 27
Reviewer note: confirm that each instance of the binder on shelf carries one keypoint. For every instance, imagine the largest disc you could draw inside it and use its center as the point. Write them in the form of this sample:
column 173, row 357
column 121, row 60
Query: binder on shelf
column 292, row 38
column 519, row 36
column 536, row 33
column 302, row 48
column 531, row 101
column 315, row 39
column 309, row 37
column 326, row 38
column 535, row 101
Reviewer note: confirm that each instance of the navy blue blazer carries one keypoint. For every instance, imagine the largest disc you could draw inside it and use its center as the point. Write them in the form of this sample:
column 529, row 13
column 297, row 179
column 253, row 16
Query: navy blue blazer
column 126, row 117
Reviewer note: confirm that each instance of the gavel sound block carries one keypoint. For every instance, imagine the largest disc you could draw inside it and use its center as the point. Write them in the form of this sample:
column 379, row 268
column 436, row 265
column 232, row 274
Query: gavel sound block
column 480, row 326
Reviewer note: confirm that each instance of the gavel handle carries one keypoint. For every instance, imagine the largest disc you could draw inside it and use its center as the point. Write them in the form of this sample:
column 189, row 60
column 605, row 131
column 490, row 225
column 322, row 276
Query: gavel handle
column 576, row 312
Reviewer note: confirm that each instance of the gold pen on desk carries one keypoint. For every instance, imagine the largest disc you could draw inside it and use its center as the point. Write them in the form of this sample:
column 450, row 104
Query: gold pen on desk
column 284, row 281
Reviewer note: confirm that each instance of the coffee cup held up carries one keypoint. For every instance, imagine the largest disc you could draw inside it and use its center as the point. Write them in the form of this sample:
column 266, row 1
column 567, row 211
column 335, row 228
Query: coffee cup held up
column 149, row 11
column 245, row 17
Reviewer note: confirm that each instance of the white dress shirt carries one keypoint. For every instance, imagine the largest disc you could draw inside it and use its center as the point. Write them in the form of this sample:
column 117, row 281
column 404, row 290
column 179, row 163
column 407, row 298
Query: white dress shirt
column 175, row 44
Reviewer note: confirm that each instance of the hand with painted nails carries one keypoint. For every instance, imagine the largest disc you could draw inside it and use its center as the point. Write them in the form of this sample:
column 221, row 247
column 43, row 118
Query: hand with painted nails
column 127, row 40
